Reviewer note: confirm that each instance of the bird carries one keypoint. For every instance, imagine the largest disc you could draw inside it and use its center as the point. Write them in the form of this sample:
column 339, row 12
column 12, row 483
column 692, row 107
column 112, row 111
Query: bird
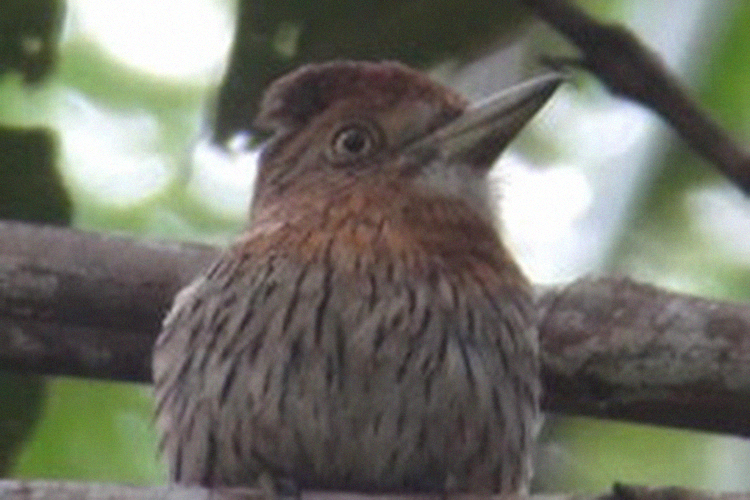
column 368, row 330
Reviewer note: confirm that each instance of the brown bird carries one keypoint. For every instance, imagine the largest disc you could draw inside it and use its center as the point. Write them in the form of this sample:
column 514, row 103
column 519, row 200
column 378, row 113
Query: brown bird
column 368, row 331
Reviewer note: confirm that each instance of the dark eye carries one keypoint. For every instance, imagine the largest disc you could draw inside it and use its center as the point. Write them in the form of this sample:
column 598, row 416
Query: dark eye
column 352, row 141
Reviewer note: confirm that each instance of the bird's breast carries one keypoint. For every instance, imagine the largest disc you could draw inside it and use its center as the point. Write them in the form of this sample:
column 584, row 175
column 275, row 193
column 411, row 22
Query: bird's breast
column 360, row 228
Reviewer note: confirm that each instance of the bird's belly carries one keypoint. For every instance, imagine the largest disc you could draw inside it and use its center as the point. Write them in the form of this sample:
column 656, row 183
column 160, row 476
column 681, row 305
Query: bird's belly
column 392, row 386
column 404, row 402
column 373, row 433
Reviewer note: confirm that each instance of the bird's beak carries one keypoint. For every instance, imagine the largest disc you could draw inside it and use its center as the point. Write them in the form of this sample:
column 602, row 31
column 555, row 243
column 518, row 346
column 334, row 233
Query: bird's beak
column 478, row 136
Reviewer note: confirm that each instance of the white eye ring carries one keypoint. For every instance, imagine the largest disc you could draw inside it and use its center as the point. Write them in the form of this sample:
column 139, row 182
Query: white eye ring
column 353, row 140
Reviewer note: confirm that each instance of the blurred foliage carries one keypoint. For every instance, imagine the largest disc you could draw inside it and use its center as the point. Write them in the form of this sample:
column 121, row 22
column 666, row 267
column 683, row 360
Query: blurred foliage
column 32, row 188
column 275, row 36
column 598, row 454
column 661, row 232
column 21, row 398
column 726, row 80
column 93, row 431
column 29, row 32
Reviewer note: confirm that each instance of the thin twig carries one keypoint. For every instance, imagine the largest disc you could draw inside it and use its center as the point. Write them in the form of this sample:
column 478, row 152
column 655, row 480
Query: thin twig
column 90, row 305
column 631, row 70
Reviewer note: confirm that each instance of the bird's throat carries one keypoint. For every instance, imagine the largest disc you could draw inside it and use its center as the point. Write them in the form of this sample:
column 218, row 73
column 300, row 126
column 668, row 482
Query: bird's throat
column 361, row 227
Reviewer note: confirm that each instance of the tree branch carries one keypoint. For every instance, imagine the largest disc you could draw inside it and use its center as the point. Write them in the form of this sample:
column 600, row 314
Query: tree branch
column 615, row 348
column 76, row 303
column 54, row 490
column 631, row 70
column 90, row 305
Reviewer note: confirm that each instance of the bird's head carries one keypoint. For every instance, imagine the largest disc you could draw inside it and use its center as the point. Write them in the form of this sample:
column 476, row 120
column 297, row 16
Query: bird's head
column 342, row 124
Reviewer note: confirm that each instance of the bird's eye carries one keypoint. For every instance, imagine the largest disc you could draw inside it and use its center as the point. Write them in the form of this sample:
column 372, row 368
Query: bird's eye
column 353, row 141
